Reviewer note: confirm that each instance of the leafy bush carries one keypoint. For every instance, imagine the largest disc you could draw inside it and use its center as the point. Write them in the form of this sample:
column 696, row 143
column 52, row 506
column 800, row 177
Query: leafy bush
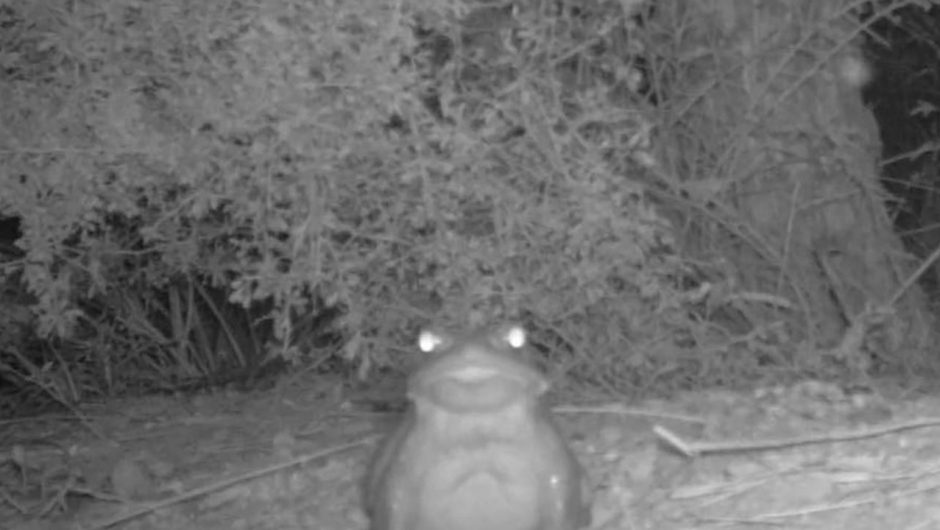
column 407, row 162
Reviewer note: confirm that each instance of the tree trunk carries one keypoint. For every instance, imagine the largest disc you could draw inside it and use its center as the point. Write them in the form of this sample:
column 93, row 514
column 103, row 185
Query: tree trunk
column 775, row 139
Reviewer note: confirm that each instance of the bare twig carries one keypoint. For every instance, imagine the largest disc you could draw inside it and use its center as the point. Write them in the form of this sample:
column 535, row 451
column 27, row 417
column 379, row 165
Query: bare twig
column 209, row 488
column 693, row 449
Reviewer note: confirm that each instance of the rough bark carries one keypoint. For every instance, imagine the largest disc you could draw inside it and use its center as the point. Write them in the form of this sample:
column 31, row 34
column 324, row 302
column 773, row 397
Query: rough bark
column 787, row 156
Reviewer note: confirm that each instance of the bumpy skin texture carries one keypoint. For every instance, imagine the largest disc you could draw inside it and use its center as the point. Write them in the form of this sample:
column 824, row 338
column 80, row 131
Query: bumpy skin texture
column 478, row 448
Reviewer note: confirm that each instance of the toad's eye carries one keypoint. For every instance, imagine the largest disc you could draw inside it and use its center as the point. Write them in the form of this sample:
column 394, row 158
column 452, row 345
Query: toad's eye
column 429, row 341
column 515, row 337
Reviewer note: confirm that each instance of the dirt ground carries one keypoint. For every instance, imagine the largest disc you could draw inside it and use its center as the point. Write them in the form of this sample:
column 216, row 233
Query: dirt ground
column 808, row 456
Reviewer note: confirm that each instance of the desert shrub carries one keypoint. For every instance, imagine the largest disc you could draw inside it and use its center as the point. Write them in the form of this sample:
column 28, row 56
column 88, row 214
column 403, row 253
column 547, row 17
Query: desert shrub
column 365, row 152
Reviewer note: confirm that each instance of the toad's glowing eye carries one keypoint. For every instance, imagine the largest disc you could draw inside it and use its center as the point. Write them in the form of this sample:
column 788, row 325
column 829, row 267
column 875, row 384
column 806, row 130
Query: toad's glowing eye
column 515, row 337
column 429, row 341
